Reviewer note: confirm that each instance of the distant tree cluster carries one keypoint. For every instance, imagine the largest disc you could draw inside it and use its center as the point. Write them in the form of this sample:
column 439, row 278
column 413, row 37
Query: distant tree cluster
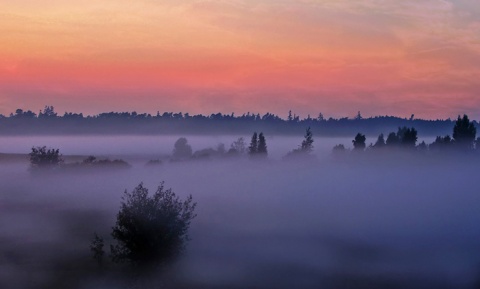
column 46, row 159
column 463, row 140
column 258, row 146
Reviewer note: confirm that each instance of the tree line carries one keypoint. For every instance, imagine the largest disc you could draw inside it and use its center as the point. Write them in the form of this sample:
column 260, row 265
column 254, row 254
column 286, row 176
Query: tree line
column 463, row 139
column 49, row 121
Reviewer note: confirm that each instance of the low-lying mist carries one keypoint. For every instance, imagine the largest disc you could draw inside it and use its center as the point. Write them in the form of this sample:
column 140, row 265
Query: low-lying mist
column 324, row 223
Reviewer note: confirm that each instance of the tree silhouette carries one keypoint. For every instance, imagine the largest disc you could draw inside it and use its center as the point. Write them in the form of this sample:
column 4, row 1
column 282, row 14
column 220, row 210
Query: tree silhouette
column 43, row 157
column 48, row 112
column 338, row 150
column 153, row 229
column 97, row 249
column 407, row 137
column 464, row 133
column 380, row 143
column 307, row 143
column 182, row 150
column 262, row 145
column 441, row 143
column 253, row 148
column 359, row 142
column 238, row 146
column 392, row 140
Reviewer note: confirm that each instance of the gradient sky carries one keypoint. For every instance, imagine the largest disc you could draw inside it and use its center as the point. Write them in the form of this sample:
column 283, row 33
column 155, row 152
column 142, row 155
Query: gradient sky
column 338, row 57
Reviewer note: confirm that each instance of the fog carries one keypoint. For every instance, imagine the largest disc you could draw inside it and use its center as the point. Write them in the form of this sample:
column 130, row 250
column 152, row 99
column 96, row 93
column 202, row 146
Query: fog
column 356, row 222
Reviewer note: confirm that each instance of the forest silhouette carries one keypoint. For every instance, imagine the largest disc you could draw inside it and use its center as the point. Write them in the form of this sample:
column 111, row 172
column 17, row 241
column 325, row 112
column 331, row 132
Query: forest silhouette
column 48, row 121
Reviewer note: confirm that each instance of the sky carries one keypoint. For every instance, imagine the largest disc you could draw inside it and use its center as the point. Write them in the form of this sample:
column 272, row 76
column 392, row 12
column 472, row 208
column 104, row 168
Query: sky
column 337, row 57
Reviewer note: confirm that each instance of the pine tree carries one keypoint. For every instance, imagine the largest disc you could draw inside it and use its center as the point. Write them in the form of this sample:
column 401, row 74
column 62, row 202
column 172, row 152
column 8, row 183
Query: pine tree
column 262, row 145
column 380, row 141
column 253, row 148
column 464, row 133
column 307, row 143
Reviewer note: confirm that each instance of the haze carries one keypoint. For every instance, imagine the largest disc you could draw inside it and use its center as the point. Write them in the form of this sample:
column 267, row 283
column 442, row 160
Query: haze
column 352, row 223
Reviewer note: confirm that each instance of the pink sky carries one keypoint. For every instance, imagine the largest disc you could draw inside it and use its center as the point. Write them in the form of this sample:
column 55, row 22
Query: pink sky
column 331, row 56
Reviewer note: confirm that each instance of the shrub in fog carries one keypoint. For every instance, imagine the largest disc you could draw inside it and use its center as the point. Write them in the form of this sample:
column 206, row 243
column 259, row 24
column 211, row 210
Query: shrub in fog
column 182, row 150
column 43, row 158
column 359, row 142
column 339, row 150
column 152, row 229
column 238, row 147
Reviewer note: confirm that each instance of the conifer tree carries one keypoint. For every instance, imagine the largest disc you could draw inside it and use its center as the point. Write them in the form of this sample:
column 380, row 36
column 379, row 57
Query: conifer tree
column 380, row 141
column 262, row 145
column 253, row 148
column 307, row 143
column 464, row 133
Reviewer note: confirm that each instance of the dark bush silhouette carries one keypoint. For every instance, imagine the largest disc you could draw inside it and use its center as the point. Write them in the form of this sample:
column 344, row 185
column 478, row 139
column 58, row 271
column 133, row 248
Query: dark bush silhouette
column 92, row 162
column 45, row 158
column 182, row 150
column 151, row 230
column 359, row 142
column 339, row 150
column 464, row 133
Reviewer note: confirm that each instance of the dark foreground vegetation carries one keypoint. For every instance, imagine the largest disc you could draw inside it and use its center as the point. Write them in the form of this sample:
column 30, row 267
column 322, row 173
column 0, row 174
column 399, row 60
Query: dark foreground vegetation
column 150, row 231
column 48, row 121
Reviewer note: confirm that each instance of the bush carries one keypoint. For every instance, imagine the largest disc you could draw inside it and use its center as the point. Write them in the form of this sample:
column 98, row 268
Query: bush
column 151, row 230
column 41, row 157
column 182, row 150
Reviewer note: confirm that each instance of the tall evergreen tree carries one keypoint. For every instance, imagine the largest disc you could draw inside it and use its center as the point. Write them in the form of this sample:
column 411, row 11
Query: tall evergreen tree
column 392, row 140
column 380, row 141
column 253, row 148
column 262, row 145
column 464, row 132
column 307, row 143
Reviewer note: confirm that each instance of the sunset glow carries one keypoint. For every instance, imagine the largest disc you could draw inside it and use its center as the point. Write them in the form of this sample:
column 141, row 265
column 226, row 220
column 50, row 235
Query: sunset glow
column 332, row 56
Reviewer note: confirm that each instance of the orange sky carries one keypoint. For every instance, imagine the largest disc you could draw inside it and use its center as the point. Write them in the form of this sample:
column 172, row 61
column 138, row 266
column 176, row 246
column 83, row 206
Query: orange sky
column 332, row 56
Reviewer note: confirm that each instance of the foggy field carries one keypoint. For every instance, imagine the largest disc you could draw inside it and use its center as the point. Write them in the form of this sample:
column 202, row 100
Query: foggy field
column 327, row 223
